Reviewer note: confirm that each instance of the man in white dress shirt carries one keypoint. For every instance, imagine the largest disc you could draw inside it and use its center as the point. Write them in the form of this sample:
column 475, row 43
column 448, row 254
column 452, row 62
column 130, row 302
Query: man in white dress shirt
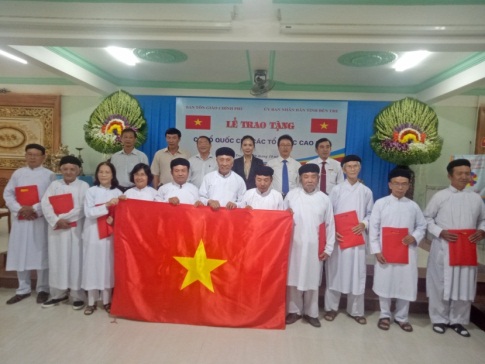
column 285, row 168
column 127, row 158
column 65, row 236
column 263, row 197
column 27, row 247
column 311, row 208
column 451, row 289
column 332, row 175
column 223, row 188
column 203, row 162
column 179, row 191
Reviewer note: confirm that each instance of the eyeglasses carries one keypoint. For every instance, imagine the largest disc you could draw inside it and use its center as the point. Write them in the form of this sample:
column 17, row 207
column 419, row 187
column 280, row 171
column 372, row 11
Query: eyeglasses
column 397, row 184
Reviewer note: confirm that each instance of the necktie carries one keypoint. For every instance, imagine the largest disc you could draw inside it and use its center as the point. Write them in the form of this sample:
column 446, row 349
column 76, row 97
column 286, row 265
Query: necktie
column 323, row 178
column 286, row 185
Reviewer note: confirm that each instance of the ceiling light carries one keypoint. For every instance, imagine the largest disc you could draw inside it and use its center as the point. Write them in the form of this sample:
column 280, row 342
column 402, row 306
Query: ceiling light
column 409, row 60
column 123, row 55
column 11, row 56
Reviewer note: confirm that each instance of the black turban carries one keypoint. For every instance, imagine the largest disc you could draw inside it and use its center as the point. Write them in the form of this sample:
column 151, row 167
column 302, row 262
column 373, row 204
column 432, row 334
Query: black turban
column 70, row 159
column 225, row 151
column 309, row 167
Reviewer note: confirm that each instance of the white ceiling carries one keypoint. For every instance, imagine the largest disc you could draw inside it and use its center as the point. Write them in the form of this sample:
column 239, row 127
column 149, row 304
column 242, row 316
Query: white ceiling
column 63, row 42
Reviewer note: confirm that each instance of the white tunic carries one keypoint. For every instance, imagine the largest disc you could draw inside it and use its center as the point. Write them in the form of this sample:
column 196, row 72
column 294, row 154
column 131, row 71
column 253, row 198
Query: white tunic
column 228, row 188
column 97, row 253
column 27, row 247
column 346, row 268
column 453, row 209
column 147, row 194
column 396, row 280
column 270, row 200
column 65, row 245
column 186, row 193
column 309, row 211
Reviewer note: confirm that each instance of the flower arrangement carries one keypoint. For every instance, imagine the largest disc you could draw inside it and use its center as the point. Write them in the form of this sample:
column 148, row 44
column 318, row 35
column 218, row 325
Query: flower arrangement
column 406, row 132
column 116, row 112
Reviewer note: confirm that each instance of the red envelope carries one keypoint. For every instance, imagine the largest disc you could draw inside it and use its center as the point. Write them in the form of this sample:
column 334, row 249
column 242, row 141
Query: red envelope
column 26, row 196
column 393, row 249
column 105, row 229
column 344, row 223
column 63, row 204
column 462, row 251
column 322, row 239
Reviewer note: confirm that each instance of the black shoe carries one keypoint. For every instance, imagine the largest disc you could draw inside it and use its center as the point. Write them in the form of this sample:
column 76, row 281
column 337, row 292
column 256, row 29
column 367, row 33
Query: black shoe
column 17, row 298
column 314, row 321
column 78, row 305
column 291, row 318
column 459, row 329
column 54, row 302
column 42, row 297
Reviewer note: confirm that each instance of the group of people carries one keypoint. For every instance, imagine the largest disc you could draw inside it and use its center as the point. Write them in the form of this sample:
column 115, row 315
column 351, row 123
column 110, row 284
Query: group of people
column 335, row 222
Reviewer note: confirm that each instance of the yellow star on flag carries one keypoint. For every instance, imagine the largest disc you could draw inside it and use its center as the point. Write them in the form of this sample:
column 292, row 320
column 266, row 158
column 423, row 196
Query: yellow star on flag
column 198, row 122
column 199, row 267
column 323, row 125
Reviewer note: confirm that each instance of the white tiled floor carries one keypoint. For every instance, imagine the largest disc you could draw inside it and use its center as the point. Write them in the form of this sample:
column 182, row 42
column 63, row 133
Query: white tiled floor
column 30, row 334
column 59, row 334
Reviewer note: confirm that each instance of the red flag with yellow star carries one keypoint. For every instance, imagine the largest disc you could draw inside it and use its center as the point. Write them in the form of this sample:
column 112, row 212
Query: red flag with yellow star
column 324, row 126
column 198, row 122
column 192, row 265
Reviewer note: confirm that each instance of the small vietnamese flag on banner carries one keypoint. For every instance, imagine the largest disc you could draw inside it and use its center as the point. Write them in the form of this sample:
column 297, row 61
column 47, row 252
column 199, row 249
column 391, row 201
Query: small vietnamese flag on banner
column 324, row 126
column 198, row 122
column 192, row 265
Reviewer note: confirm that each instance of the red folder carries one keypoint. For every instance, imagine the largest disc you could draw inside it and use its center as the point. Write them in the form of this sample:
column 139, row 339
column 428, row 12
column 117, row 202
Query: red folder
column 462, row 251
column 322, row 239
column 393, row 249
column 26, row 196
column 63, row 204
column 105, row 229
column 344, row 223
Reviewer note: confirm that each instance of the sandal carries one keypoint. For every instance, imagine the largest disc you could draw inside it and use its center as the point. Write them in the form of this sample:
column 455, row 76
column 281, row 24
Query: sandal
column 89, row 310
column 107, row 307
column 330, row 315
column 359, row 319
column 406, row 326
column 384, row 323
column 439, row 328
column 460, row 330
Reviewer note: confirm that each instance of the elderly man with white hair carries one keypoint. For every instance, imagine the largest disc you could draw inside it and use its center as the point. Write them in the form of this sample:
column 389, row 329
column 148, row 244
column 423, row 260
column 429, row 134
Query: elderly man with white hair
column 224, row 187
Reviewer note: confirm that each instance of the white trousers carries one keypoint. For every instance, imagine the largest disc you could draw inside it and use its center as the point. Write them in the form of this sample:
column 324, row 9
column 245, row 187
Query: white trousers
column 401, row 313
column 355, row 303
column 76, row 294
column 25, row 283
column 302, row 302
column 94, row 296
column 448, row 311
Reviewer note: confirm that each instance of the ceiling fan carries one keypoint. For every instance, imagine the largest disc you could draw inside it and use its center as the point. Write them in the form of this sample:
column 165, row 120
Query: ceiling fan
column 261, row 84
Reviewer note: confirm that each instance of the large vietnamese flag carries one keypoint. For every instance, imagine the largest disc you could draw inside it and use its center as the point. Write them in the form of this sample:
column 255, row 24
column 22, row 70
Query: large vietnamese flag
column 192, row 265
column 324, row 126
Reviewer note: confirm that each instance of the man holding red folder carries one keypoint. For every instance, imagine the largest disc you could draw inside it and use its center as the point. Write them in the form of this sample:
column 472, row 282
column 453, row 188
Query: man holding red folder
column 312, row 211
column 27, row 247
column 451, row 212
column 395, row 229
column 63, row 206
column 345, row 270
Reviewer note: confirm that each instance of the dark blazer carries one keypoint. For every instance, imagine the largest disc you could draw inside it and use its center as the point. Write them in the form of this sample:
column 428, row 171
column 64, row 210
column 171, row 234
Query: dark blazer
column 238, row 167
